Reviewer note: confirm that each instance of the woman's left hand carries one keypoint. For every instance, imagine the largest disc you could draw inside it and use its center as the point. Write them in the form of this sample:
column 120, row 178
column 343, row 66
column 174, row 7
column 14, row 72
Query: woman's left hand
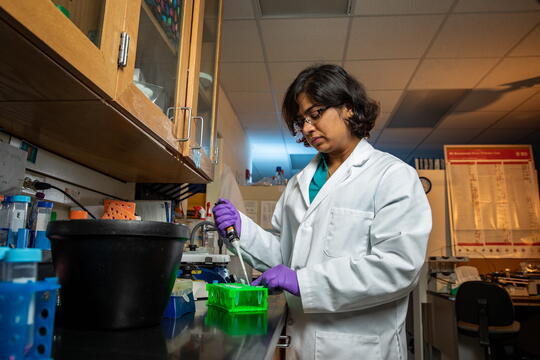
column 279, row 277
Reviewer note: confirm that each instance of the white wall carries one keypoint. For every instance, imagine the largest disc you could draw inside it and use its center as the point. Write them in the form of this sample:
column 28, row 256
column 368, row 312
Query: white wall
column 235, row 147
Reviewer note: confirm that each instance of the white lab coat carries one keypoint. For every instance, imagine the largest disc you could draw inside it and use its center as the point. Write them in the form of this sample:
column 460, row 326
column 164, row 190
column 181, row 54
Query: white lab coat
column 357, row 250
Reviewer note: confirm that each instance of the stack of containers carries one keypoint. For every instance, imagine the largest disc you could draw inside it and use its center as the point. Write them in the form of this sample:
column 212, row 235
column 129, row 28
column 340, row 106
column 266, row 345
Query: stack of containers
column 17, row 230
column 27, row 306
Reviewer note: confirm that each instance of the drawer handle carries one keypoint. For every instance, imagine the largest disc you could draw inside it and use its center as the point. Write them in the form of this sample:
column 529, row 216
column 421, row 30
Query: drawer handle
column 284, row 342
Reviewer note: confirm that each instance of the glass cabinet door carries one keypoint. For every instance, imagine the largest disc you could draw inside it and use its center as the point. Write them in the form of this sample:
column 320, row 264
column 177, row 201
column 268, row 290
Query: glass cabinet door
column 207, row 74
column 202, row 90
column 158, row 51
column 87, row 15
column 82, row 35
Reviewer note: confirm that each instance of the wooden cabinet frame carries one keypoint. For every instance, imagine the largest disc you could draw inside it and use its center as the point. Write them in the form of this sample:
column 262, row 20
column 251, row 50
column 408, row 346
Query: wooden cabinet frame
column 61, row 39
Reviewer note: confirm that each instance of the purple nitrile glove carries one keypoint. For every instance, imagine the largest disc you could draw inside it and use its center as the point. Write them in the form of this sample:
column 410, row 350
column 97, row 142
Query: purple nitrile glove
column 279, row 277
column 225, row 215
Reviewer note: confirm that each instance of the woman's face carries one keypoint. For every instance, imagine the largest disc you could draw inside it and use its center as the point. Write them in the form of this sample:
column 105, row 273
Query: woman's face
column 328, row 131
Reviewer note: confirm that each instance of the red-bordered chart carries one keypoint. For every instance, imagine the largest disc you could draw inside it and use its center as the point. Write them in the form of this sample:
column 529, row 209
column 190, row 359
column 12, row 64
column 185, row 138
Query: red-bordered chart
column 493, row 201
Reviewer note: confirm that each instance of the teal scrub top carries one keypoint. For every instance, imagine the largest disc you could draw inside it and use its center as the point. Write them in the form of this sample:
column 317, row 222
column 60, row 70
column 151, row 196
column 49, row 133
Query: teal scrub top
column 319, row 178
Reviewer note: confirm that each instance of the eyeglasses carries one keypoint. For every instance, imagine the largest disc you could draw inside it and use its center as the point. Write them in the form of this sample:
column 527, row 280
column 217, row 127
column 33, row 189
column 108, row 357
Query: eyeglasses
column 312, row 117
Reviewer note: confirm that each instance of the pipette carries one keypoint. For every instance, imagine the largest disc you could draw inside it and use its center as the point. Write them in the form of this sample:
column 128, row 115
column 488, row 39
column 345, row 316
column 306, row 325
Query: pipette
column 234, row 240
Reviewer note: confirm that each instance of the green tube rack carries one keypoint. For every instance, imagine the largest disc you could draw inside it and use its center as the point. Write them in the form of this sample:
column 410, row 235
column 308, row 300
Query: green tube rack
column 238, row 297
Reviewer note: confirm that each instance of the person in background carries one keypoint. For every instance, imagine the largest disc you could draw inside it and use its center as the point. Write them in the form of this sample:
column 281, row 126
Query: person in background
column 350, row 230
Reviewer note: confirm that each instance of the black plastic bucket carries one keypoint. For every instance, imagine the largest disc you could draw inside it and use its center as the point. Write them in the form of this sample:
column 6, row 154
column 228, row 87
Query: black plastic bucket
column 115, row 274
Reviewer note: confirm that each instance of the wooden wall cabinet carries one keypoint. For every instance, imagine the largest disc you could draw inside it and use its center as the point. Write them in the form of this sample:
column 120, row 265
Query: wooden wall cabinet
column 167, row 88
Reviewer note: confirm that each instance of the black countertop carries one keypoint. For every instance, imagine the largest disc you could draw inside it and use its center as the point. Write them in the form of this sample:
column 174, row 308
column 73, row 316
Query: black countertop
column 206, row 334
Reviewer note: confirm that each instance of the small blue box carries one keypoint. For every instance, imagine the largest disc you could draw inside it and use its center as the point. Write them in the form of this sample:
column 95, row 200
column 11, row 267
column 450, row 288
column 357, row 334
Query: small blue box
column 179, row 305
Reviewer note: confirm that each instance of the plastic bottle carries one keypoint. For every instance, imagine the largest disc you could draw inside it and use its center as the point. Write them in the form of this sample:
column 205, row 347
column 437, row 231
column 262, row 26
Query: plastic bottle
column 16, row 213
column 40, row 221
column 3, row 221
column 279, row 177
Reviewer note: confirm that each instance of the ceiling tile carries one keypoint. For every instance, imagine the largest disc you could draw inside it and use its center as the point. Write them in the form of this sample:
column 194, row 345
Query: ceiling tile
column 496, row 99
column 304, row 39
column 470, row 120
column 501, row 136
column 426, row 149
column 265, row 135
column 481, row 35
column 425, row 108
column 450, row 73
column 249, row 102
column 496, row 5
column 244, row 77
column 382, row 74
column 381, row 120
column 240, row 41
column 394, row 7
column 258, row 121
column 511, row 70
column 452, row 136
column 533, row 138
column 533, row 104
column 530, row 46
column 520, row 119
column 387, row 98
column 398, row 136
column 237, row 9
column 385, row 37
column 282, row 74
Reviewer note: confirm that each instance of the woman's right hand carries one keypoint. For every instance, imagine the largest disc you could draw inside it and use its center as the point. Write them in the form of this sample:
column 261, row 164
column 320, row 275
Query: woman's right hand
column 225, row 215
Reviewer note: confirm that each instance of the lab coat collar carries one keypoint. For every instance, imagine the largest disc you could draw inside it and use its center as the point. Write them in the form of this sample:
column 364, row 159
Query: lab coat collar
column 304, row 177
column 358, row 157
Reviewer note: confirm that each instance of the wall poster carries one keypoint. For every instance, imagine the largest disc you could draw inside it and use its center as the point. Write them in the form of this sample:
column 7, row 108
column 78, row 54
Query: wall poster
column 493, row 201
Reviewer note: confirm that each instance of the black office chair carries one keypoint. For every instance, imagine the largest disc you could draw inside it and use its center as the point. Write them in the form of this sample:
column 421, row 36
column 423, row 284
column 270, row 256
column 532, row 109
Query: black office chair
column 485, row 310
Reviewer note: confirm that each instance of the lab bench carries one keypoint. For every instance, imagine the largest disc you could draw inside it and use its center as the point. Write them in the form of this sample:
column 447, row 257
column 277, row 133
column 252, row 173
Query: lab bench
column 189, row 337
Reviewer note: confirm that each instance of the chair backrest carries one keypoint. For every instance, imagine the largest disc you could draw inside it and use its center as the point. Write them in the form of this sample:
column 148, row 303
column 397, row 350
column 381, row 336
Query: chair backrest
column 500, row 311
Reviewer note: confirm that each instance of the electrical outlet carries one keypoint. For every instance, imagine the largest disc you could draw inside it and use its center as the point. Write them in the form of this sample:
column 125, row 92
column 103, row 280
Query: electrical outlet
column 27, row 184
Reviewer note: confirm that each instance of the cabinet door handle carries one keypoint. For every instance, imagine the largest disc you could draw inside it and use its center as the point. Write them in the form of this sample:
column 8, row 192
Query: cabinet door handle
column 216, row 153
column 202, row 133
column 188, row 109
column 286, row 342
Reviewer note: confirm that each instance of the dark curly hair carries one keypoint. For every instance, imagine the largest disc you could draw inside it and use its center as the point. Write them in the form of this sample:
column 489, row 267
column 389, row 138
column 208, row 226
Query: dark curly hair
column 331, row 85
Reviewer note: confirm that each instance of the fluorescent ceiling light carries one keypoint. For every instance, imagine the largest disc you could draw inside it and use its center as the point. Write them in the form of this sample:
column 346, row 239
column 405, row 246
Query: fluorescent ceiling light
column 304, row 8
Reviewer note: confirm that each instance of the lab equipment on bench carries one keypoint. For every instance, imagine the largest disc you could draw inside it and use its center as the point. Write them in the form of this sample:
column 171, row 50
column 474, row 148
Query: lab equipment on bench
column 442, row 277
column 200, row 265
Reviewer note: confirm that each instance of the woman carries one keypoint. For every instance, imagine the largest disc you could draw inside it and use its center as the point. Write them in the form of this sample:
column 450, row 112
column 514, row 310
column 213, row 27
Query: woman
column 352, row 228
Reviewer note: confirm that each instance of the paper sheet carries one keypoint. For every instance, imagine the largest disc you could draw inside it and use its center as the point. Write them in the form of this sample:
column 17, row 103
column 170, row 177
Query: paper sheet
column 12, row 166
column 494, row 201
column 252, row 209
column 267, row 210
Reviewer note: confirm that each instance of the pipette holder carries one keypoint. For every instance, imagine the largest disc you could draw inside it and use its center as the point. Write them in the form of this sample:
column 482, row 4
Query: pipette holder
column 15, row 303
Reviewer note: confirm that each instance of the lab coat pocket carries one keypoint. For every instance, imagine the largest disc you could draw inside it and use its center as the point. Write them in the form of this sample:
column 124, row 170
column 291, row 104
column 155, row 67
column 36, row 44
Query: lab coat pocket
column 331, row 345
column 348, row 232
